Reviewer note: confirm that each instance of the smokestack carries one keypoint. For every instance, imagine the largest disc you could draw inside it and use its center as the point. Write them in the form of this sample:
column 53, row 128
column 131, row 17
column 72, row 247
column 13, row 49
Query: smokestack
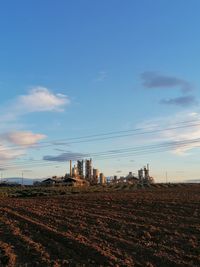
column 70, row 168
column 148, row 167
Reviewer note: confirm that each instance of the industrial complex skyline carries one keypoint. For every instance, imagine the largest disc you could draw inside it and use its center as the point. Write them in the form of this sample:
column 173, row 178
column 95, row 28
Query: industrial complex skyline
column 83, row 174
column 114, row 81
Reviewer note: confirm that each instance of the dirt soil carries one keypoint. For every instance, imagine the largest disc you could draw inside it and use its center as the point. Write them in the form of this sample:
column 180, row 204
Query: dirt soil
column 146, row 228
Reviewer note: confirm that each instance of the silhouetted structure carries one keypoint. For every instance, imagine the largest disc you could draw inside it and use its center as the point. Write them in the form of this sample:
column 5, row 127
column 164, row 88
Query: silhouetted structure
column 95, row 178
column 80, row 167
column 88, row 170
column 102, row 179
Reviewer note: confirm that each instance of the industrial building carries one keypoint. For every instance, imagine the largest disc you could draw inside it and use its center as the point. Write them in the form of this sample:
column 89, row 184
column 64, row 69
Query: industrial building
column 131, row 179
column 91, row 175
column 144, row 176
column 83, row 174
column 95, row 176
column 80, row 168
column 64, row 181
column 76, row 182
column 102, row 179
column 88, row 170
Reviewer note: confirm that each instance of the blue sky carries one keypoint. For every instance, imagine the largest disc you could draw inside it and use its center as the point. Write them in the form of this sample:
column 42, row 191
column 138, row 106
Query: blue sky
column 77, row 68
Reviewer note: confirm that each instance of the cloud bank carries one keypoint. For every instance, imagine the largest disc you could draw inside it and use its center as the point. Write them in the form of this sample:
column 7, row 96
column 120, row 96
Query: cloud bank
column 6, row 153
column 183, row 136
column 65, row 157
column 183, row 101
column 15, row 144
column 153, row 80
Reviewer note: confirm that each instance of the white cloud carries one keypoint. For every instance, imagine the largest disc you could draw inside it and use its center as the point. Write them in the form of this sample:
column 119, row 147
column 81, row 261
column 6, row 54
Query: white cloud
column 183, row 128
column 38, row 99
column 7, row 154
column 101, row 76
column 41, row 99
column 14, row 142
column 14, row 145
column 22, row 138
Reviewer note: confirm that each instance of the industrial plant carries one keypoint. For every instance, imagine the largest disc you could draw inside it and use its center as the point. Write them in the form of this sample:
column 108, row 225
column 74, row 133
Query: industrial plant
column 83, row 174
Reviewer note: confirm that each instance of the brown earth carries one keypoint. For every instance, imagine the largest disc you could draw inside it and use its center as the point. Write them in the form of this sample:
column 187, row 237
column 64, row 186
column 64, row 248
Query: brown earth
column 146, row 228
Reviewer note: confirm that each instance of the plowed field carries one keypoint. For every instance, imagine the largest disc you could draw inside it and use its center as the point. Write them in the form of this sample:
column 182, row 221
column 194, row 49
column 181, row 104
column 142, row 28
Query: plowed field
column 158, row 227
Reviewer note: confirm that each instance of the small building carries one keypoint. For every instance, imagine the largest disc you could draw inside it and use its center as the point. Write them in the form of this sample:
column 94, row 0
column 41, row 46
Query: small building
column 48, row 181
column 76, row 182
column 131, row 179
column 52, row 181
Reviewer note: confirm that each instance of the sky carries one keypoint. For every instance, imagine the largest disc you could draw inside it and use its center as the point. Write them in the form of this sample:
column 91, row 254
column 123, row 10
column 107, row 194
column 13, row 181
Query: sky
column 114, row 80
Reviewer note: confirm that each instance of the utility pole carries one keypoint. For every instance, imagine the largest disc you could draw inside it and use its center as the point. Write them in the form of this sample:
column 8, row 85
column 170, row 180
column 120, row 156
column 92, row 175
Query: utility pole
column 166, row 176
column 22, row 178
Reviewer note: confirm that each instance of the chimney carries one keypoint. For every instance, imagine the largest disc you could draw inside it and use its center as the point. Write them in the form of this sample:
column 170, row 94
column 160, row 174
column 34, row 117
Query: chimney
column 70, row 168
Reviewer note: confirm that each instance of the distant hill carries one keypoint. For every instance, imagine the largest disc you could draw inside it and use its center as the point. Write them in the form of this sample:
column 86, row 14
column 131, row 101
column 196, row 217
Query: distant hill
column 193, row 181
column 26, row 181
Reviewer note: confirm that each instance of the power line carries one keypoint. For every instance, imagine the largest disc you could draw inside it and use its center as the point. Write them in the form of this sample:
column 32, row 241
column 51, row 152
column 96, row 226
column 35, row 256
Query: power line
column 119, row 152
column 113, row 135
column 132, row 151
column 124, row 131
